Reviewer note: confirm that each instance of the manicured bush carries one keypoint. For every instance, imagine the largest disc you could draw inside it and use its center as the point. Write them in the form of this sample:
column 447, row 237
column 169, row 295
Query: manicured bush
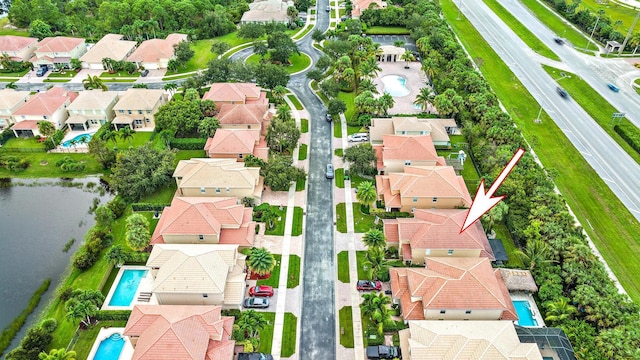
column 14, row 163
column 6, row 134
column 148, row 207
column 117, row 205
column 630, row 133
column 67, row 164
column 122, row 315
column 187, row 143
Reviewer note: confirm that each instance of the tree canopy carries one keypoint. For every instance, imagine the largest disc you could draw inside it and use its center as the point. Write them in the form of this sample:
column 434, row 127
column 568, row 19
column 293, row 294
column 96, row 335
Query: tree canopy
column 141, row 171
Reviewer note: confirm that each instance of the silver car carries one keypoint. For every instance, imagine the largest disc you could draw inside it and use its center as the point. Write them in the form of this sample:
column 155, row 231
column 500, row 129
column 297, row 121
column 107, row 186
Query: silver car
column 256, row 302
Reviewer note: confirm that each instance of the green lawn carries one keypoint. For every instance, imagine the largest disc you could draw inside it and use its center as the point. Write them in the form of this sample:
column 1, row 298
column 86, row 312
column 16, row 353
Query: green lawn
column 300, row 184
column 522, row 31
column 293, row 276
column 120, row 74
column 56, row 80
column 274, row 280
column 139, row 138
column 289, row 335
column 614, row 10
column 67, row 74
column 556, row 23
column 594, row 104
column 337, row 128
column 88, row 337
column 297, row 221
column 502, row 233
column 343, row 267
column 304, row 126
column 360, row 259
column 16, row 75
column 306, row 30
column 346, row 326
column 348, row 99
column 338, row 152
column 266, row 334
column 299, row 62
column 387, row 30
column 357, row 179
column 164, row 195
column 43, row 165
column 339, row 176
column 302, row 152
column 23, row 143
column 18, row 32
column 615, row 235
column 296, row 103
column 341, row 218
column 189, row 154
column 363, row 222
column 278, row 228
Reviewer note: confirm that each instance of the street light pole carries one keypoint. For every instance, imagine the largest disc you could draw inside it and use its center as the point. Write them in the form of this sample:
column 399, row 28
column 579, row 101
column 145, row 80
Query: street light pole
column 628, row 34
column 459, row 10
column 537, row 120
column 592, row 31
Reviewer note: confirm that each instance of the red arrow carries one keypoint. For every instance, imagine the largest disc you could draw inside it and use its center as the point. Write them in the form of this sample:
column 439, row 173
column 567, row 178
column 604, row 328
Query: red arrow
column 483, row 202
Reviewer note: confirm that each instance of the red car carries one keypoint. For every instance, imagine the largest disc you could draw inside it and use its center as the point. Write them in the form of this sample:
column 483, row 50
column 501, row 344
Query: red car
column 367, row 285
column 261, row 290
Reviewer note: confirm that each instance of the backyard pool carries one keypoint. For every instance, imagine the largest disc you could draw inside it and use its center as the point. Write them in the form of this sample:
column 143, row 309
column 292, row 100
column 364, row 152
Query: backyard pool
column 525, row 316
column 82, row 138
column 394, row 85
column 127, row 287
column 110, row 348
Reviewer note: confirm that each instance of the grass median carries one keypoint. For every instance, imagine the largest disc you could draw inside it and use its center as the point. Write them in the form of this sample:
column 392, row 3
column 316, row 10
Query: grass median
column 616, row 235
column 556, row 23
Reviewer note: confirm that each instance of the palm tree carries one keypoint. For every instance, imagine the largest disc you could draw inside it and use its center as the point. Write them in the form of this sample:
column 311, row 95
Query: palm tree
column 166, row 135
column 278, row 93
column 46, row 128
column 94, row 82
column 378, row 267
column 536, row 254
column 367, row 85
column 116, row 255
column 126, row 133
column 375, row 307
column 559, row 310
column 73, row 142
column 251, row 322
column 367, row 193
column 109, row 135
column 424, row 98
column 386, row 102
column 634, row 41
column 268, row 217
column 429, row 68
column 283, row 113
column 11, row 85
column 81, row 310
column 261, row 261
column 171, row 88
column 57, row 354
column 407, row 57
column 374, row 238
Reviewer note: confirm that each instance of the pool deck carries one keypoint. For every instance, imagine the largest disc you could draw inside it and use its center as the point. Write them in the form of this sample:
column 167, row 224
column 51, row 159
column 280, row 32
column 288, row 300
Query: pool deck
column 147, row 278
column 415, row 80
column 521, row 296
column 105, row 333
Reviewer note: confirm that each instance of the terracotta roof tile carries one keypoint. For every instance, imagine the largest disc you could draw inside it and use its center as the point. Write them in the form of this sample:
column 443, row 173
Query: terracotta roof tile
column 234, row 92
column 9, row 43
column 418, row 148
column 242, row 114
column 228, row 141
column 156, row 49
column 58, row 44
column 10, row 98
column 47, row 103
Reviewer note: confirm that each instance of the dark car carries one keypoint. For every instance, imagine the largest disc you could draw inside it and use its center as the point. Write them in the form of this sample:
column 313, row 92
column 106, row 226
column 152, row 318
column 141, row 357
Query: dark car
column 368, row 285
column 562, row 92
column 558, row 40
column 42, row 70
column 261, row 290
column 383, row 352
column 613, row 87
column 256, row 302
column 254, row 356
column 328, row 8
column 328, row 117
column 144, row 73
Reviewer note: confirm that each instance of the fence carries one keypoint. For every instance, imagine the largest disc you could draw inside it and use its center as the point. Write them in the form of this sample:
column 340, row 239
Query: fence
column 22, row 150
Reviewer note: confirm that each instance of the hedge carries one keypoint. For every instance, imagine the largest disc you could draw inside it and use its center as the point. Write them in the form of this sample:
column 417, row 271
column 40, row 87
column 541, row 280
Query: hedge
column 187, row 143
column 6, row 135
column 148, row 207
column 116, row 315
column 382, row 214
column 630, row 134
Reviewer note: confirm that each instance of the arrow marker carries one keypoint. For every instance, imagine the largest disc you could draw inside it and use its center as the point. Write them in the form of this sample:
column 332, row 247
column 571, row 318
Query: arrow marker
column 483, row 202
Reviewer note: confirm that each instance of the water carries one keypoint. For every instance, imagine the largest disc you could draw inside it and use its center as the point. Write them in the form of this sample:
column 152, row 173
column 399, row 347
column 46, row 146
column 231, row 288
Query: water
column 127, row 287
column 394, row 85
column 36, row 222
column 110, row 348
column 525, row 317
column 78, row 138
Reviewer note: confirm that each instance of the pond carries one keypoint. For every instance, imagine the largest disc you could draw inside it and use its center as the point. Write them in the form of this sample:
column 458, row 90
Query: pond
column 37, row 219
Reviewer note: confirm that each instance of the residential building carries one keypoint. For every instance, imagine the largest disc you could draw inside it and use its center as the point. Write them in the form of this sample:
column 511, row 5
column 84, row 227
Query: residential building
column 267, row 11
column 438, row 129
column 50, row 106
column 436, row 233
column 10, row 101
column 58, row 51
column 361, row 5
column 91, row 109
column 463, row 340
column 155, row 53
column 236, row 93
column 398, row 151
column 451, row 288
column 237, row 144
column 423, row 187
column 111, row 46
column 170, row 332
column 136, row 108
column 198, row 274
column 244, row 116
column 206, row 220
column 218, row 177
column 18, row 48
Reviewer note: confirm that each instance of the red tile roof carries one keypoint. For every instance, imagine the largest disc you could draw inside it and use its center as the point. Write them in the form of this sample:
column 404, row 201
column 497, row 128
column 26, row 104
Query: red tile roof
column 46, row 103
column 10, row 43
column 175, row 332
column 242, row 114
column 156, row 49
column 26, row 125
column 58, row 44
column 240, row 92
column 227, row 141
column 418, row 148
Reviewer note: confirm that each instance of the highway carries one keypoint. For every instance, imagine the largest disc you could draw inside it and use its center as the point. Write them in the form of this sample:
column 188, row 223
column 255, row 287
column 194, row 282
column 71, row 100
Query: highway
column 612, row 163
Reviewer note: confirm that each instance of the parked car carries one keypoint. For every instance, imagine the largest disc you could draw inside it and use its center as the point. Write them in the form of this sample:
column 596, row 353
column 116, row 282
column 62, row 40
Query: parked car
column 383, row 352
column 329, row 174
column 357, row 137
column 261, row 290
column 328, row 117
column 328, row 8
column 144, row 73
column 613, row 87
column 562, row 92
column 558, row 40
column 254, row 356
column 256, row 302
column 42, row 70
column 368, row 285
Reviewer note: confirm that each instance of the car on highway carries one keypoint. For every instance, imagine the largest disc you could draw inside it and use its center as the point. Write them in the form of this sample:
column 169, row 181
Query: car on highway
column 368, row 285
column 383, row 352
column 256, row 302
column 254, row 356
column 558, row 40
column 357, row 137
column 562, row 92
column 261, row 290
column 613, row 87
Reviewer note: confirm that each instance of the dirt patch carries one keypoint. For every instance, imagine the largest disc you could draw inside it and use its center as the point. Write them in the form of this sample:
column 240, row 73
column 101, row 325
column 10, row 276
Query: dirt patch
column 44, row 163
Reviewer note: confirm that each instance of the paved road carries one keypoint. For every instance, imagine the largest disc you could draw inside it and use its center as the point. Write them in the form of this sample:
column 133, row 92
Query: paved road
column 614, row 165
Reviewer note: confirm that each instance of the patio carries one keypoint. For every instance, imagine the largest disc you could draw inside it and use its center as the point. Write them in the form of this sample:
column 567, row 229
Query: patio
column 415, row 80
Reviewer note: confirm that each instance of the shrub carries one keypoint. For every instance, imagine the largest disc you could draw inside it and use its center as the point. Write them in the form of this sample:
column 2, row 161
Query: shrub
column 116, row 315
column 187, row 143
column 117, row 205
column 630, row 133
column 148, row 207
column 68, row 164
column 49, row 325
column 14, row 163
column 6, row 134
column 83, row 259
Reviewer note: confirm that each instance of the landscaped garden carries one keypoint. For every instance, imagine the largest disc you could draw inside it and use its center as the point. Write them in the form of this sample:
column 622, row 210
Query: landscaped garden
column 298, row 63
column 346, row 326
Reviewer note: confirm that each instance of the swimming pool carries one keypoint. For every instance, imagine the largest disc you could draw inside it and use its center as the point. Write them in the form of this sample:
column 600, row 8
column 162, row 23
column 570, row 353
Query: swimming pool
column 127, row 287
column 110, row 348
column 394, row 85
column 85, row 137
column 525, row 316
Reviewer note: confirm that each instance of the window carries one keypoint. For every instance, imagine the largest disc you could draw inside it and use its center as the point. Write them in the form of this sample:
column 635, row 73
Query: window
column 148, row 111
column 468, row 312
column 239, row 156
column 407, row 162
column 140, row 112
column 203, row 190
column 443, row 311
column 217, row 190
column 121, row 111
column 415, row 199
column 413, row 209
column 201, row 237
column 403, row 132
column 435, row 199
column 129, row 111
column 450, row 252
column 179, row 177
column 227, row 189
column 138, row 122
column 45, row 117
column 205, row 295
column 155, row 268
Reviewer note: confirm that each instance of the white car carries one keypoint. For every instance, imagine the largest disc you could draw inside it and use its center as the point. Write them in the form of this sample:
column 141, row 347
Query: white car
column 358, row 137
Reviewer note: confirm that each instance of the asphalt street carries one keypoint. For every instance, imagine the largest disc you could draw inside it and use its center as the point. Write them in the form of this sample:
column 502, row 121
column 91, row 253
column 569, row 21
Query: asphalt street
column 612, row 163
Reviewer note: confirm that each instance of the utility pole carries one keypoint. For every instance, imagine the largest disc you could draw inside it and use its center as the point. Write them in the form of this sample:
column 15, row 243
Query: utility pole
column 459, row 10
column 592, row 31
column 624, row 44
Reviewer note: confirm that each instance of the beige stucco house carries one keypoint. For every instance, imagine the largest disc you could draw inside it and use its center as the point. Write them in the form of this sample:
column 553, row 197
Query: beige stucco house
column 58, row 51
column 111, row 46
column 438, row 129
column 155, row 53
column 10, row 101
column 463, row 340
column 397, row 151
column 50, row 106
column 19, row 48
column 198, row 274
column 267, row 11
column 451, row 288
column 136, row 108
column 206, row 220
column 423, row 187
column 170, row 332
column 218, row 177
column 237, row 144
column 91, row 109
column 436, row 233
column 236, row 93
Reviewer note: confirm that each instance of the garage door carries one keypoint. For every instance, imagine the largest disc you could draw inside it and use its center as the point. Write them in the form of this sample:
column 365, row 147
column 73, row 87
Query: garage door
column 95, row 66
